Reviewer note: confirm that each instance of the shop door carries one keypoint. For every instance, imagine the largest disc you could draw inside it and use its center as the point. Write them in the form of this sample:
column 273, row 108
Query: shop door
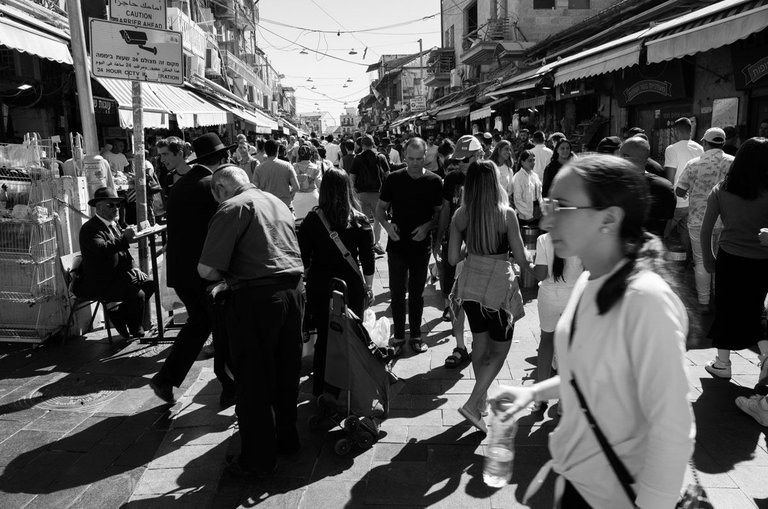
column 758, row 109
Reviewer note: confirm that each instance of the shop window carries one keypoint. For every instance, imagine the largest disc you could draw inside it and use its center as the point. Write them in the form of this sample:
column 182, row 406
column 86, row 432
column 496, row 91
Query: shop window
column 544, row 4
column 578, row 4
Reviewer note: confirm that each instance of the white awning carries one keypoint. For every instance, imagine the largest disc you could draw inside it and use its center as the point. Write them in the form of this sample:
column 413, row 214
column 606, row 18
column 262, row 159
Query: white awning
column 451, row 113
column 255, row 118
column 608, row 57
column 190, row 109
column 714, row 26
column 520, row 87
column 480, row 114
column 32, row 40
column 155, row 112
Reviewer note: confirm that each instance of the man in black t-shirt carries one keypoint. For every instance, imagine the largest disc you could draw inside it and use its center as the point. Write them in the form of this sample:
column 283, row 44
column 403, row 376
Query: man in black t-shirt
column 369, row 169
column 415, row 197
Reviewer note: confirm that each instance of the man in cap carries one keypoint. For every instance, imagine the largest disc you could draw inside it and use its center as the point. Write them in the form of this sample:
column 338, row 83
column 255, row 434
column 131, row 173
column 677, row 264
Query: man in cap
column 414, row 195
column 251, row 243
column 696, row 181
column 468, row 150
column 107, row 272
column 190, row 208
column 609, row 145
column 676, row 156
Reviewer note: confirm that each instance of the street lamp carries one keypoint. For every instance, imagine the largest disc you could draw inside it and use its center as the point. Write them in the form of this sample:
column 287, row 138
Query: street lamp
column 353, row 52
column 303, row 52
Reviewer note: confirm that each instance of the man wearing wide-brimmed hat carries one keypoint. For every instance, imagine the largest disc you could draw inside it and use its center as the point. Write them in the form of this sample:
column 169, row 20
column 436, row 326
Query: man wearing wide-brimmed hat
column 108, row 272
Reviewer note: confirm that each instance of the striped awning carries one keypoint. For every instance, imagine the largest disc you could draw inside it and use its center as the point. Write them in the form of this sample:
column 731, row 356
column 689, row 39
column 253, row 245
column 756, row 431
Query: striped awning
column 714, row 26
column 28, row 39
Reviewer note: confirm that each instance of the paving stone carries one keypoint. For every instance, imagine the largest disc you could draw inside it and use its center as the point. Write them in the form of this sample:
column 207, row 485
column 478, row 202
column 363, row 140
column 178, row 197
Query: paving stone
column 333, row 494
column 112, row 491
column 24, row 446
column 411, row 451
column 142, row 451
column 57, row 497
column 183, row 456
column 90, row 432
column 752, row 480
column 724, row 498
column 352, row 467
column 274, row 493
column 393, row 433
column 442, row 434
column 413, row 417
column 57, row 420
column 8, row 428
column 409, row 477
column 40, row 472
column 203, row 435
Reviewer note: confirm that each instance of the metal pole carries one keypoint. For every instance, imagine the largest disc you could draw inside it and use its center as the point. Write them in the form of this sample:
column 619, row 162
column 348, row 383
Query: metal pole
column 82, row 77
column 421, row 77
column 140, row 179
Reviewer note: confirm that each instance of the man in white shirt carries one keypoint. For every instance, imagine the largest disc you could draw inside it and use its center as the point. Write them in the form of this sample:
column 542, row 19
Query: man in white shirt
column 430, row 159
column 542, row 153
column 116, row 159
column 333, row 151
column 394, row 155
column 676, row 156
column 696, row 181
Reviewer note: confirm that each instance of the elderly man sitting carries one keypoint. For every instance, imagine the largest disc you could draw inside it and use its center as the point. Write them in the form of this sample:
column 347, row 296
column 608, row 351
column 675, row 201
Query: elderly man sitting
column 107, row 272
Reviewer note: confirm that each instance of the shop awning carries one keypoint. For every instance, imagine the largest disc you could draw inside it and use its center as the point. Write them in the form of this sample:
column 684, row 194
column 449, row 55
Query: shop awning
column 155, row 112
column 531, row 102
column 714, row 26
column 32, row 40
column 263, row 125
column 487, row 110
column 452, row 112
column 292, row 128
column 190, row 109
column 609, row 57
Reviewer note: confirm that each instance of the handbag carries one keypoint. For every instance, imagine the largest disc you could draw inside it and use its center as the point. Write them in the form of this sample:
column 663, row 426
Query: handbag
column 694, row 496
column 345, row 254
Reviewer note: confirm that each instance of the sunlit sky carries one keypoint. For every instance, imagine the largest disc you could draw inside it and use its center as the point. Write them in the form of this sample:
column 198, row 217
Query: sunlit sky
column 329, row 75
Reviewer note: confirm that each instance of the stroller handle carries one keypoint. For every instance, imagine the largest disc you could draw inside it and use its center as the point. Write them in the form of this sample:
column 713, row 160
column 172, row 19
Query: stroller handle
column 339, row 285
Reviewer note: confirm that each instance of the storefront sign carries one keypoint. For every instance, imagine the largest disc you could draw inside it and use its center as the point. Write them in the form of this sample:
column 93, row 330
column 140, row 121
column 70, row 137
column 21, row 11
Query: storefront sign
column 418, row 103
column 138, row 54
column 750, row 68
column 725, row 111
column 141, row 13
column 102, row 106
column 654, row 83
column 662, row 88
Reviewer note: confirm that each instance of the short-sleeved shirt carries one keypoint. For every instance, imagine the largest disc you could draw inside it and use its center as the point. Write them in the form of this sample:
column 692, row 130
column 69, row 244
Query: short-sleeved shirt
column 413, row 203
column 274, row 176
column 117, row 162
column 543, row 157
column 430, row 158
column 677, row 156
column 545, row 255
column 742, row 220
column 252, row 237
column 699, row 177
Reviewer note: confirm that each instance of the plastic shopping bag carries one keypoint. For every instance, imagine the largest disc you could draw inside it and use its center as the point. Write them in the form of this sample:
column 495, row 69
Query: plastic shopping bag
column 378, row 330
column 168, row 298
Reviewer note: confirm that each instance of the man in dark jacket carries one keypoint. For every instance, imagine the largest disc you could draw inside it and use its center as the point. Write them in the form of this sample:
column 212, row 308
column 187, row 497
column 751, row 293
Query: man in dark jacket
column 190, row 208
column 107, row 272
column 369, row 170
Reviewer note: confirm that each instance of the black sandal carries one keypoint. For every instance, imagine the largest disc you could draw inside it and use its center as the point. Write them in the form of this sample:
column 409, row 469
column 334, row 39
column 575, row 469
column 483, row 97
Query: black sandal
column 447, row 314
column 457, row 358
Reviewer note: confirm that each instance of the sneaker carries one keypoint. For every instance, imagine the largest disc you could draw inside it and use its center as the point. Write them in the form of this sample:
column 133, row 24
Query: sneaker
column 763, row 365
column 718, row 369
column 378, row 249
column 208, row 350
column 753, row 407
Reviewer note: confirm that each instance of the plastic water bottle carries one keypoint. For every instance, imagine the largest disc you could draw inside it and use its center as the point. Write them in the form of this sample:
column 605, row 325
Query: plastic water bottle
column 500, row 451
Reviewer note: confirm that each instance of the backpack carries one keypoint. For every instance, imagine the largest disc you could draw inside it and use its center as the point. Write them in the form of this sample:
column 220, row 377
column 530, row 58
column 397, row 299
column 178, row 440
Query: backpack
column 369, row 179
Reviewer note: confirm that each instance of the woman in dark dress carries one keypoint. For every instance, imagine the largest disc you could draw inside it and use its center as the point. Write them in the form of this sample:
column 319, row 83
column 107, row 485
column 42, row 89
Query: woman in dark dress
column 323, row 260
column 562, row 154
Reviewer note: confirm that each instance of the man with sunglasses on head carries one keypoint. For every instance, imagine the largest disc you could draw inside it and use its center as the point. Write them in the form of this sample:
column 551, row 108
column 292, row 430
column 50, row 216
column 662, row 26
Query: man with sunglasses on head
column 468, row 150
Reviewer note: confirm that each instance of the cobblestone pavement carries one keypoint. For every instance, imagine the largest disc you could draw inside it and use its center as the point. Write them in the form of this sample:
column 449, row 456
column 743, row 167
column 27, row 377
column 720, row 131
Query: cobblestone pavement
column 79, row 427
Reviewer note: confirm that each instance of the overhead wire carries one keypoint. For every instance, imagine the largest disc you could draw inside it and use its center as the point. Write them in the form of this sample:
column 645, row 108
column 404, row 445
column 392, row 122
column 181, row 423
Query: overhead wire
column 315, row 51
column 342, row 26
column 345, row 31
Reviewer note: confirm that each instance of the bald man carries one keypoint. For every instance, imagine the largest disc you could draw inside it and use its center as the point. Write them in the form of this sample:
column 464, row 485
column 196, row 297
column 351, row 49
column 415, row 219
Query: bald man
column 637, row 151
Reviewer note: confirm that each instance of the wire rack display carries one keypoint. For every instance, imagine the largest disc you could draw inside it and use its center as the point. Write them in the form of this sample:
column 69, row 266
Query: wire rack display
column 31, row 307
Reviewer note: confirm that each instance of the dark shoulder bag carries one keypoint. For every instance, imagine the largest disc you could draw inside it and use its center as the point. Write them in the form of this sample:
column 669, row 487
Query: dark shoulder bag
column 694, row 496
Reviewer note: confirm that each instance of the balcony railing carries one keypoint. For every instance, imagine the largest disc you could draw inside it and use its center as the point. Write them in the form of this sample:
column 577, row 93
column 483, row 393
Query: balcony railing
column 242, row 12
column 240, row 68
column 193, row 37
column 441, row 61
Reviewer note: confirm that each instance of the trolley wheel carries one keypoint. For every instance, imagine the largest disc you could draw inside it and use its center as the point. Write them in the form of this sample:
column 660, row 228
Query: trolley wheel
column 351, row 423
column 342, row 447
column 365, row 440
column 315, row 422
column 322, row 402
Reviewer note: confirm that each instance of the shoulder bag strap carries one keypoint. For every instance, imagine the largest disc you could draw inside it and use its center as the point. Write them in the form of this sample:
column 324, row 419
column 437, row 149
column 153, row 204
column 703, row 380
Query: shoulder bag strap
column 340, row 245
column 625, row 478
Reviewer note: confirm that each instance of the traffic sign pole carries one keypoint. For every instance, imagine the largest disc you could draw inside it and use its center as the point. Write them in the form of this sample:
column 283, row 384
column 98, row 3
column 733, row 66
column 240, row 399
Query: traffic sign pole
column 82, row 78
column 140, row 180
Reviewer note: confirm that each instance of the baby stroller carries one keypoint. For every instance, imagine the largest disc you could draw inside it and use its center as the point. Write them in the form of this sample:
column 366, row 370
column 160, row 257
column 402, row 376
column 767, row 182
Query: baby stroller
column 359, row 369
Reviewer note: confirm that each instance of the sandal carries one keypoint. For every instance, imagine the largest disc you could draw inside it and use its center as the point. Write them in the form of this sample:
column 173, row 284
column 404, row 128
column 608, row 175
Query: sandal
column 418, row 346
column 458, row 357
column 397, row 346
column 447, row 314
column 476, row 421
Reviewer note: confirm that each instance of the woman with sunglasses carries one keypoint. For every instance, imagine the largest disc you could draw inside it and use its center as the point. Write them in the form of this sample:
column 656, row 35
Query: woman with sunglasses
column 487, row 227
column 620, row 346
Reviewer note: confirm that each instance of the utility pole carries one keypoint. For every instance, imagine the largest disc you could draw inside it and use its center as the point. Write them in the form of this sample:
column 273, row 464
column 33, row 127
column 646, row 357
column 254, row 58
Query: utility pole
column 82, row 77
column 421, row 77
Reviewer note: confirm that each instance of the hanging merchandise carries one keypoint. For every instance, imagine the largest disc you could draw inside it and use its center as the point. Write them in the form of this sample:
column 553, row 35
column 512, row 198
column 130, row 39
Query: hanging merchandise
column 498, row 123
